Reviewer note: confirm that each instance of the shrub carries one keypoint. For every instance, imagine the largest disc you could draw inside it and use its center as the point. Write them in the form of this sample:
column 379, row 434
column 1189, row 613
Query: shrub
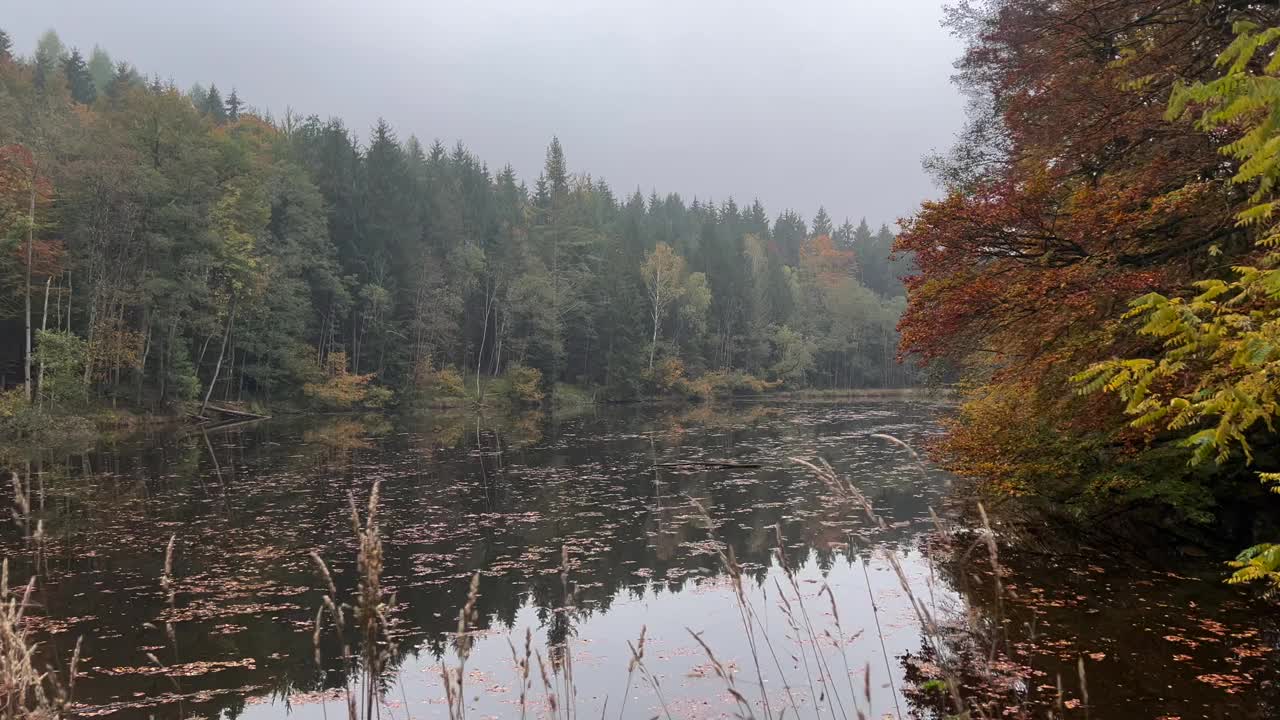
column 63, row 356
column 432, row 385
column 12, row 402
column 726, row 383
column 666, row 376
column 342, row 389
column 524, row 385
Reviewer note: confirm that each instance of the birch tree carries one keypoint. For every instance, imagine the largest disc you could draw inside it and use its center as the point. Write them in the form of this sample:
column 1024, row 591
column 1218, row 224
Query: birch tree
column 663, row 272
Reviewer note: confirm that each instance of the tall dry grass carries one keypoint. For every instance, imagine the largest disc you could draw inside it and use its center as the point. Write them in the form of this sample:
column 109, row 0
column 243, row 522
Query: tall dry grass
column 364, row 616
column 816, row 686
column 26, row 691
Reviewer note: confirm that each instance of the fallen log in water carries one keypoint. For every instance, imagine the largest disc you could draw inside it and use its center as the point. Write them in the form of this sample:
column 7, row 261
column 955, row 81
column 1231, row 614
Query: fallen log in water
column 712, row 463
column 232, row 413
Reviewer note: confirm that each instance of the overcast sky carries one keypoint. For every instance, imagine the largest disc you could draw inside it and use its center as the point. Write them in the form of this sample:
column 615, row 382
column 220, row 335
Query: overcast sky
column 797, row 102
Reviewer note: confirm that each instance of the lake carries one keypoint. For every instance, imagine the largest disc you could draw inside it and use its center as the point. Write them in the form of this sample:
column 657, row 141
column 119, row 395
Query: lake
column 615, row 492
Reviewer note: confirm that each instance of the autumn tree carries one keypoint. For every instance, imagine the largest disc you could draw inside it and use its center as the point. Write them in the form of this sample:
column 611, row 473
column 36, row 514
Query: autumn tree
column 1047, row 229
column 663, row 273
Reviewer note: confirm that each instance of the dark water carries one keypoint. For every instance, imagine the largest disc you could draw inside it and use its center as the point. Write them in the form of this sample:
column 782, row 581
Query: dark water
column 507, row 496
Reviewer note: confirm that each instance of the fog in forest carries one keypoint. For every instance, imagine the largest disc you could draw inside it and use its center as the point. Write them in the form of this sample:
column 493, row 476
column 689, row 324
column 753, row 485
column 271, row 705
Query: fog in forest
column 801, row 103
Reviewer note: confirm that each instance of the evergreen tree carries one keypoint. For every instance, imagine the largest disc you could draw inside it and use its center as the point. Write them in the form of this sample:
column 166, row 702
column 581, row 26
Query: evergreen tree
column 123, row 77
column 6, row 46
column 233, row 105
column 873, row 263
column 556, row 171
column 261, row 260
column 213, row 106
column 843, row 236
column 822, row 222
column 48, row 57
column 789, row 233
column 79, row 81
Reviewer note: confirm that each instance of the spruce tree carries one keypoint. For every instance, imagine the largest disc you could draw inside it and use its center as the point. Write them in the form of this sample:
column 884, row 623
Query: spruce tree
column 233, row 106
column 843, row 236
column 123, row 77
column 79, row 81
column 557, row 172
column 213, row 106
column 49, row 52
column 822, row 222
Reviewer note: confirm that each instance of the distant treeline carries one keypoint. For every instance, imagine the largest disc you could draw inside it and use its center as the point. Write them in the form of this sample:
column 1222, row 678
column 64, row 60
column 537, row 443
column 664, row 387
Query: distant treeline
column 172, row 246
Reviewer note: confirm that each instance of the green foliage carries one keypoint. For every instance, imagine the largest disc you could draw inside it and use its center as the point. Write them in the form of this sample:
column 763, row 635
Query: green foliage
column 793, row 355
column 79, row 80
column 183, row 219
column 1260, row 563
column 1216, row 376
column 62, row 356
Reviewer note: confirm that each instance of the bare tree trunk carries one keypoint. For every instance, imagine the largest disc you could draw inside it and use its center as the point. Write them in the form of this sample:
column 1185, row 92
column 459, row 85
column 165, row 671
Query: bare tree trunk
column 142, row 366
column 484, row 335
column 500, row 328
column 653, row 344
column 44, row 325
column 26, row 296
column 93, row 322
column 656, row 297
column 231, row 318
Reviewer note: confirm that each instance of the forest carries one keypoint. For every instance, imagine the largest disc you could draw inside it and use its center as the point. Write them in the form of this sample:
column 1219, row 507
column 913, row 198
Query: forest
column 464, row 501
column 1102, row 267
column 166, row 247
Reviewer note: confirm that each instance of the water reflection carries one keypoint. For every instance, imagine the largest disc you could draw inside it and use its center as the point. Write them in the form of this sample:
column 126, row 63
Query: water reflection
column 504, row 496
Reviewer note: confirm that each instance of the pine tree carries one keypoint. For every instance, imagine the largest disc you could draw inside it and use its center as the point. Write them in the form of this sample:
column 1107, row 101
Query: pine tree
column 213, row 106
column 822, row 222
column 79, row 81
column 233, row 106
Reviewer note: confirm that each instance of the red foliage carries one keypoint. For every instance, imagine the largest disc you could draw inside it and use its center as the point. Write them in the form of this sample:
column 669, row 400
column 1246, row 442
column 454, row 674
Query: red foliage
column 17, row 168
column 1099, row 198
column 829, row 263
column 47, row 257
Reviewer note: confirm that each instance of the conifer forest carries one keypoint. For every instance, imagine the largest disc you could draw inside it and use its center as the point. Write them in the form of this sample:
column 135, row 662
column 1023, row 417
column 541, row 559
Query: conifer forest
column 938, row 377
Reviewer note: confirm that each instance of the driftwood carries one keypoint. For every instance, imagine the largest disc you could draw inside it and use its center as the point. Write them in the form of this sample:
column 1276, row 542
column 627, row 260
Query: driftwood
column 230, row 412
column 237, row 413
column 712, row 464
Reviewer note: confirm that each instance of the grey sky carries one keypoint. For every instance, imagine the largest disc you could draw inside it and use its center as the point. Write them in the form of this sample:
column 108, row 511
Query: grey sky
column 797, row 102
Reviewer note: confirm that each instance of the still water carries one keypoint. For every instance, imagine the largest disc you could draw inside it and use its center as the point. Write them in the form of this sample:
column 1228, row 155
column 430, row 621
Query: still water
column 510, row 497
